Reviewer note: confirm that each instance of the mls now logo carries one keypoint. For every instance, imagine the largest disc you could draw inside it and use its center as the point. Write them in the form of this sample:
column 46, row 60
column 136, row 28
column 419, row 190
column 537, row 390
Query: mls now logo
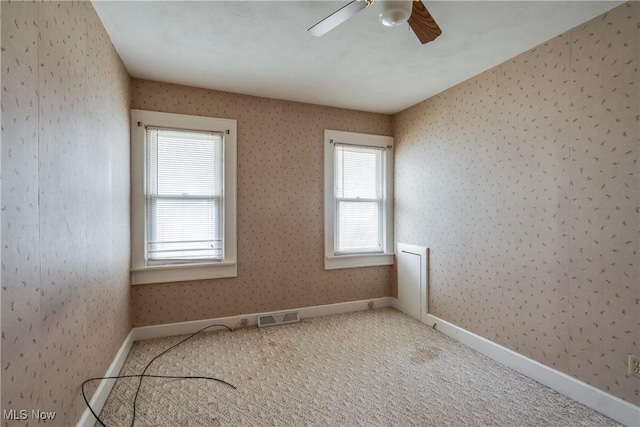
column 14, row 414
column 23, row 414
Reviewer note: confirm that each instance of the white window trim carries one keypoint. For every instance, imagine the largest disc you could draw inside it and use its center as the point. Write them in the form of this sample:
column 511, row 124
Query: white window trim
column 143, row 274
column 331, row 260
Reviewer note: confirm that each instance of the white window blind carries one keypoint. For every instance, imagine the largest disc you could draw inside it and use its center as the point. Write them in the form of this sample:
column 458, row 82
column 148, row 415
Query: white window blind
column 359, row 199
column 184, row 196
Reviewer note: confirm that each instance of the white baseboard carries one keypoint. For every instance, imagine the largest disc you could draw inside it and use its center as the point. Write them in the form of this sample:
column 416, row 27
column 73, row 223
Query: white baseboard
column 181, row 328
column 596, row 399
column 105, row 386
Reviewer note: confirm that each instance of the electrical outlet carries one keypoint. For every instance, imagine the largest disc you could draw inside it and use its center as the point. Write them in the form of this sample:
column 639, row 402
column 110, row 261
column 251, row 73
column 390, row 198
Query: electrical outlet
column 370, row 305
column 634, row 365
column 244, row 322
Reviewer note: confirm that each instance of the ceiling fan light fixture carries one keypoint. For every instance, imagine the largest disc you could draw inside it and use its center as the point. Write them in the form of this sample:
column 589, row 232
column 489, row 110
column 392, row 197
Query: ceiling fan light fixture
column 395, row 12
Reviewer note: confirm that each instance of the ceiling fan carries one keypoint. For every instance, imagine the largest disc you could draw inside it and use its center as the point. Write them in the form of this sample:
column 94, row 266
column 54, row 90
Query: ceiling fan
column 392, row 13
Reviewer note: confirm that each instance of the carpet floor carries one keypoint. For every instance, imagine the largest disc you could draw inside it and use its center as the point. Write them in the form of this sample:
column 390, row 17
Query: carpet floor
column 369, row 368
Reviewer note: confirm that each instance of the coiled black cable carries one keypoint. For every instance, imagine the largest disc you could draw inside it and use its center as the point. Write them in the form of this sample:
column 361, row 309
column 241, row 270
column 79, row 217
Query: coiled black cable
column 145, row 375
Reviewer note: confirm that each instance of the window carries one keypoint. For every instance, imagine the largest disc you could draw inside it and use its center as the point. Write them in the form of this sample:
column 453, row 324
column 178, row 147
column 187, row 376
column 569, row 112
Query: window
column 358, row 200
column 183, row 197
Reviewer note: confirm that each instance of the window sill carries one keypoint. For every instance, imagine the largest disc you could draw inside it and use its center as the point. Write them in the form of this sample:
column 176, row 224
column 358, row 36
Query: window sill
column 333, row 262
column 182, row 272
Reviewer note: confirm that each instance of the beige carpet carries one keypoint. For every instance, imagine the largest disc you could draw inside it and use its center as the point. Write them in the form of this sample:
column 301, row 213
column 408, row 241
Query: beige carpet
column 370, row 368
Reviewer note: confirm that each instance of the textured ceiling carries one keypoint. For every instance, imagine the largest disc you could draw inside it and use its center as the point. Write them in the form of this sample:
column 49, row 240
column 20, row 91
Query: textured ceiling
column 262, row 48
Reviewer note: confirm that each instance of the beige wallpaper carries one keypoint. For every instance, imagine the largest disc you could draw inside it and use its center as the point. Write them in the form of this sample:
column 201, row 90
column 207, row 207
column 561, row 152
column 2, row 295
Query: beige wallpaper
column 65, row 205
column 280, row 214
column 524, row 182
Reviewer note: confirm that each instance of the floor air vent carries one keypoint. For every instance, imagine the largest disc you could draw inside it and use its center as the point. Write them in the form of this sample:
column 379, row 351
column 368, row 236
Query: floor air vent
column 278, row 318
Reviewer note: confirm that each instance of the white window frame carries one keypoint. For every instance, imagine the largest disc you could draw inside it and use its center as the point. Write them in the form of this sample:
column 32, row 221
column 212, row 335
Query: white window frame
column 141, row 273
column 332, row 260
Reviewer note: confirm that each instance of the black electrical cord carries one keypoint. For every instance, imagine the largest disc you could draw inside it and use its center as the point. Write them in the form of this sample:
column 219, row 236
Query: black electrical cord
column 143, row 375
column 86, row 401
column 135, row 398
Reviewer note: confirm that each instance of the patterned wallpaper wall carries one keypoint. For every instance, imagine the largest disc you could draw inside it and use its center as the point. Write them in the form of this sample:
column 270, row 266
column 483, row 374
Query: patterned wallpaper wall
column 65, row 205
column 524, row 182
column 280, row 214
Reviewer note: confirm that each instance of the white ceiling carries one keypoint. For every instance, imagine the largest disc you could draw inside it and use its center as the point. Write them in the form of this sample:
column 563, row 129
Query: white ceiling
column 262, row 48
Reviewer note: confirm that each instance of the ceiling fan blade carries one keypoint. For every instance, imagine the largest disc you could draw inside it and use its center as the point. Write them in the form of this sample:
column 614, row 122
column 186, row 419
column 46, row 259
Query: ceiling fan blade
column 423, row 24
column 338, row 17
